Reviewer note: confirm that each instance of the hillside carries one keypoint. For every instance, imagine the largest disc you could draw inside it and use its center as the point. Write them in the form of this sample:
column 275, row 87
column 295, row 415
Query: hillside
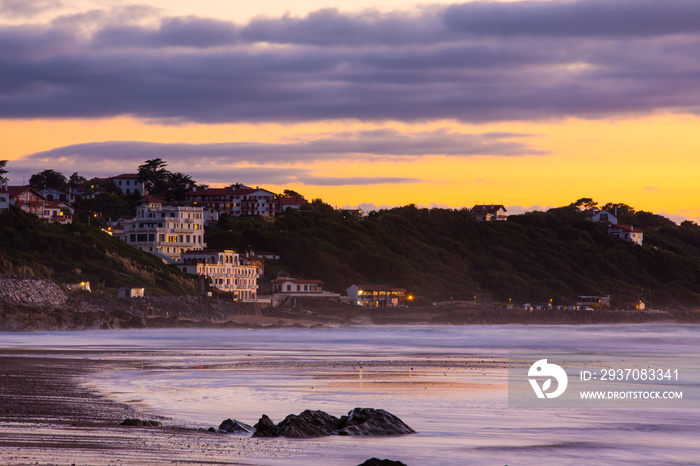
column 439, row 254
column 31, row 247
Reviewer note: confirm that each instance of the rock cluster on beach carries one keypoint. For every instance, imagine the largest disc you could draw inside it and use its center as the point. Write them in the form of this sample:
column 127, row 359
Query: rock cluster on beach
column 359, row 421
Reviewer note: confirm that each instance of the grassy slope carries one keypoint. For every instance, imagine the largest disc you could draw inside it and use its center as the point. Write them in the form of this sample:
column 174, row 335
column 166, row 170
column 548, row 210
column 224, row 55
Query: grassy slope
column 75, row 253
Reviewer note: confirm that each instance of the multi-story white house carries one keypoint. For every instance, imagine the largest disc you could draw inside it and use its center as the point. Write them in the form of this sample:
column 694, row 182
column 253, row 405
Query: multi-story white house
column 627, row 233
column 26, row 198
column 57, row 212
column 56, row 195
column 233, row 202
column 256, row 201
column 225, row 269
column 165, row 230
column 129, row 183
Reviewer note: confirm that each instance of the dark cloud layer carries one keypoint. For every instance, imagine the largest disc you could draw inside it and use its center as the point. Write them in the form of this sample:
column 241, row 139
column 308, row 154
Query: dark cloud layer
column 382, row 143
column 278, row 163
column 475, row 62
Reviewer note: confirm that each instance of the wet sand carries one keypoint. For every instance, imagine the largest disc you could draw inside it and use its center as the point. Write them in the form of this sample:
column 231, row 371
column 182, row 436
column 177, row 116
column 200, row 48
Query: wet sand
column 47, row 417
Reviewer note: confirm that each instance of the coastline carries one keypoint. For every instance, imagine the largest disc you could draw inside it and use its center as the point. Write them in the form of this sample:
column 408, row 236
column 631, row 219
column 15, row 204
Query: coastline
column 89, row 313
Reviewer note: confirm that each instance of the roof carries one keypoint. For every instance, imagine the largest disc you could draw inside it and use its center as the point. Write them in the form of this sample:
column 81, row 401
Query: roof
column 484, row 208
column 225, row 191
column 129, row 176
column 17, row 190
column 252, row 190
column 211, row 192
column 55, row 204
column 378, row 288
column 209, row 251
column 151, row 200
column 626, row 228
column 293, row 201
column 297, row 282
column 594, row 211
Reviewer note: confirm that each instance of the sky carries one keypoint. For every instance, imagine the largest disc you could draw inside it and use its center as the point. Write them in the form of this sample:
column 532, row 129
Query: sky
column 529, row 104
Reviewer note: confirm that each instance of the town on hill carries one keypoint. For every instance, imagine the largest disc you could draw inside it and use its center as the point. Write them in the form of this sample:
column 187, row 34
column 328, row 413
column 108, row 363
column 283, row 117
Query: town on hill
column 161, row 233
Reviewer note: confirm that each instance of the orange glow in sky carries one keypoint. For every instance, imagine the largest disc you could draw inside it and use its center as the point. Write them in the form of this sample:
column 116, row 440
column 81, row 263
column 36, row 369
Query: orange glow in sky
column 534, row 113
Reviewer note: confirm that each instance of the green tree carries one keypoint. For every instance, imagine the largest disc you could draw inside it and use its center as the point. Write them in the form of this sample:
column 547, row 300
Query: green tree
column 154, row 176
column 76, row 181
column 585, row 203
column 3, row 172
column 179, row 184
column 48, row 179
column 623, row 212
column 289, row 194
column 102, row 185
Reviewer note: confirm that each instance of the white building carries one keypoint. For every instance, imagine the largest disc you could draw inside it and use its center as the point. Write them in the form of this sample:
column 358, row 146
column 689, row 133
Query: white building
column 28, row 199
column 601, row 216
column 226, row 271
column 376, row 295
column 294, row 292
column 234, row 202
column 4, row 199
column 627, row 233
column 56, row 195
column 57, row 212
column 131, row 292
column 165, row 230
column 129, row 183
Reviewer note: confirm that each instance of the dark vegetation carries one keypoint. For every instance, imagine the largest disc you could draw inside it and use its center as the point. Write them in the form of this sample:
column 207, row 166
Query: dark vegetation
column 78, row 252
column 441, row 254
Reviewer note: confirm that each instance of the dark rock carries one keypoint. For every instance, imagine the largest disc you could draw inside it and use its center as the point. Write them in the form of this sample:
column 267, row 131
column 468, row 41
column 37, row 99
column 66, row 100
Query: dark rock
column 384, row 462
column 231, row 426
column 140, row 423
column 369, row 421
column 359, row 421
column 265, row 428
column 212, row 430
column 308, row 424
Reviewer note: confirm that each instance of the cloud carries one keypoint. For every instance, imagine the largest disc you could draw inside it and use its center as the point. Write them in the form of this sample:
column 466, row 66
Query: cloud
column 364, row 145
column 582, row 18
column 357, row 180
column 203, row 173
column 473, row 62
column 26, row 8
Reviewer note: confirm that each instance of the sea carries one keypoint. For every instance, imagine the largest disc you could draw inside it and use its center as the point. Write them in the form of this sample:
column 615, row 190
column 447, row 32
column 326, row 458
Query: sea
column 449, row 383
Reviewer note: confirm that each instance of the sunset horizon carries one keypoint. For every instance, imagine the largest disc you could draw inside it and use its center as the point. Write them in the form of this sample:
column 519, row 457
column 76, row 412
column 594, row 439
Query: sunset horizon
column 527, row 104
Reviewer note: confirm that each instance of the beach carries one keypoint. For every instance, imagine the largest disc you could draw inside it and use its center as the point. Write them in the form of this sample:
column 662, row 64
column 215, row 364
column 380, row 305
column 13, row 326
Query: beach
column 64, row 394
